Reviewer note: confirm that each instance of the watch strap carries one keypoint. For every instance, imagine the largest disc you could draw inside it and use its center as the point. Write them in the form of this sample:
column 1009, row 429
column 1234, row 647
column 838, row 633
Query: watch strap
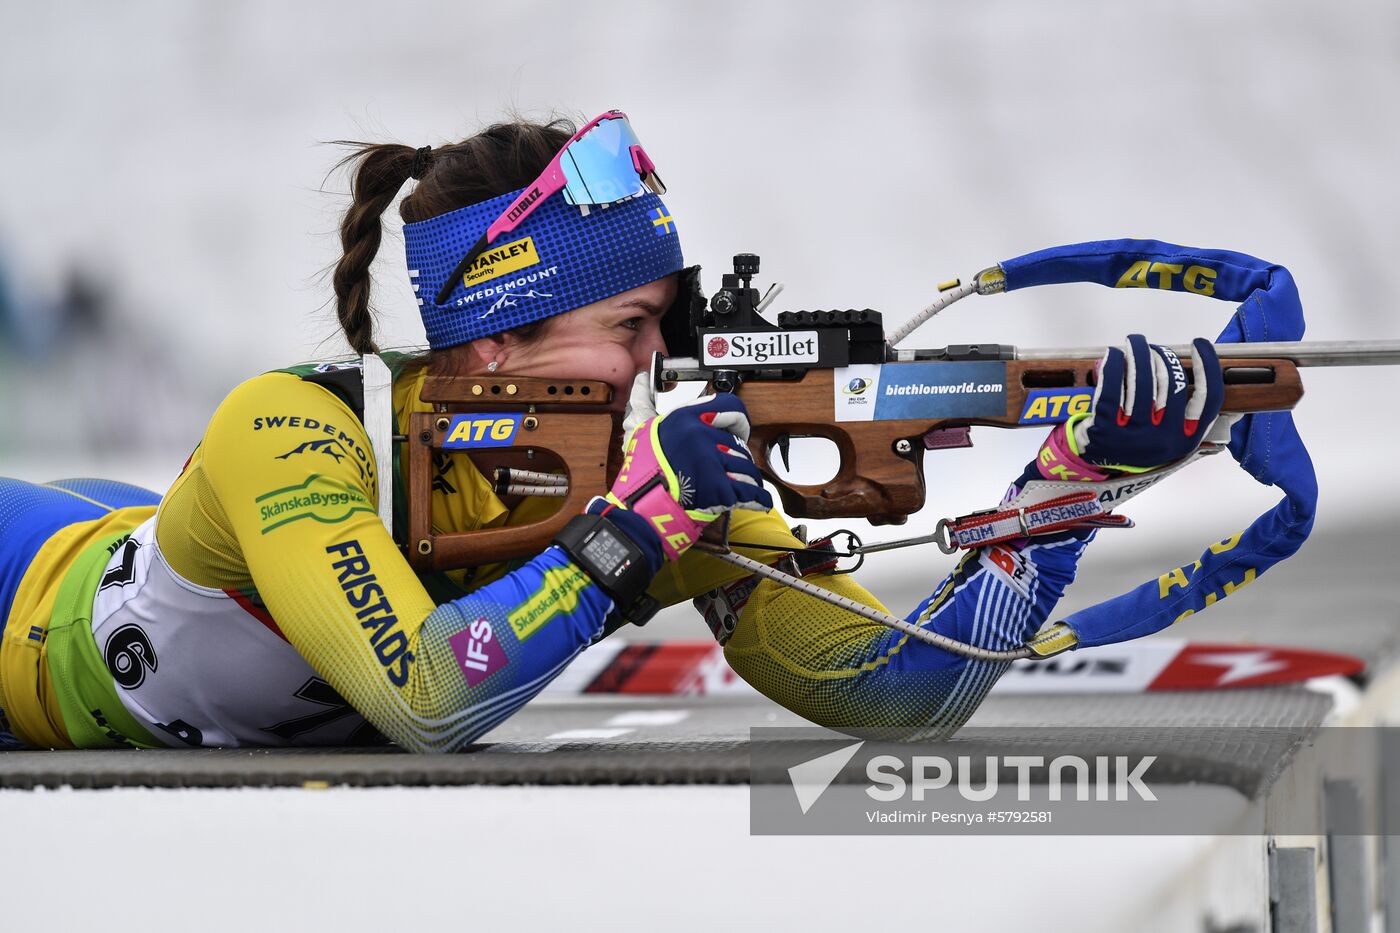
column 609, row 556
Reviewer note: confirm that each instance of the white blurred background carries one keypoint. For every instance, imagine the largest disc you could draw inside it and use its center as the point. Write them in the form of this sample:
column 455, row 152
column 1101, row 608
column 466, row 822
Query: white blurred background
column 166, row 216
column 166, row 213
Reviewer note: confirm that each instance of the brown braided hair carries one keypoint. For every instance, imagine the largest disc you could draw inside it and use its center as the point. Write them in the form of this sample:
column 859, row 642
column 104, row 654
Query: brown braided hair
column 499, row 159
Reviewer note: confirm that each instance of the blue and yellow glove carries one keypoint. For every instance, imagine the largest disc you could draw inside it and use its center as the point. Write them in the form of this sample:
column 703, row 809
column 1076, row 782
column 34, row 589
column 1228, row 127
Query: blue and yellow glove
column 682, row 470
column 1145, row 415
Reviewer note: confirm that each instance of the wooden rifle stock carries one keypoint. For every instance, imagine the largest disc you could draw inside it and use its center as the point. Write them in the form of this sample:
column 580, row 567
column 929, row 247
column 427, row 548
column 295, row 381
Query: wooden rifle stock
column 566, row 426
column 881, row 481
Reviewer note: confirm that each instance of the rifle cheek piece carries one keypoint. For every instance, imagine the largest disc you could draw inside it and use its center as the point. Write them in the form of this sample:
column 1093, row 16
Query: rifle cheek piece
column 574, row 431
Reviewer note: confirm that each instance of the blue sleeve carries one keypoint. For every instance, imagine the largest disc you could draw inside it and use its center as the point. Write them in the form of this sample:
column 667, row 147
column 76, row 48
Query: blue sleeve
column 997, row 598
column 491, row 651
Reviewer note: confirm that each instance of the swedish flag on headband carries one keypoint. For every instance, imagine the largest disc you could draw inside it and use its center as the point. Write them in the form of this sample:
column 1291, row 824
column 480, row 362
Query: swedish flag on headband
column 662, row 221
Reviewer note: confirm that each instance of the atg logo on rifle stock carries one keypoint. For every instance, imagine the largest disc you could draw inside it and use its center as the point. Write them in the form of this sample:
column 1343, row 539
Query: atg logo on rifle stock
column 481, row 430
column 1044, row 406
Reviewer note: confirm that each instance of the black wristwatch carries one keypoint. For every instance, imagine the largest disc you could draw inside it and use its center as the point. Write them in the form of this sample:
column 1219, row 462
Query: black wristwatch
column 611, row 558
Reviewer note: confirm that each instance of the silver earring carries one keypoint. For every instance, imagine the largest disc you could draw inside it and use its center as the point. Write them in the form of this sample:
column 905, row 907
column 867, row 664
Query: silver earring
column 492, row 366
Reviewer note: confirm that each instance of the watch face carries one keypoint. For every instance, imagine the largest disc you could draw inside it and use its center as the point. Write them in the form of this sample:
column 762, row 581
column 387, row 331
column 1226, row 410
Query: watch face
column 605, row 552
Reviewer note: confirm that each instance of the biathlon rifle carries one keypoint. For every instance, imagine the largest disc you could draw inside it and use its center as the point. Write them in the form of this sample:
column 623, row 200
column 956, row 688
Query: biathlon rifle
column 835, row 375
column 822, row 374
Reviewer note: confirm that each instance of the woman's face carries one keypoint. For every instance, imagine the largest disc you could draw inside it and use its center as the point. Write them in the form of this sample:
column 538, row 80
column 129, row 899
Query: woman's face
column 610, row 340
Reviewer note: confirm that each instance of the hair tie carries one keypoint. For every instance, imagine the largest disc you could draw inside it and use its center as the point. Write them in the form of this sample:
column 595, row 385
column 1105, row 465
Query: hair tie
column 422, row 161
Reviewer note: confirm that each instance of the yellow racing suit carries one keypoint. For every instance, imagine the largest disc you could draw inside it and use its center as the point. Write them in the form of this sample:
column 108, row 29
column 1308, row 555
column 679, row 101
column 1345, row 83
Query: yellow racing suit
column 263, row 602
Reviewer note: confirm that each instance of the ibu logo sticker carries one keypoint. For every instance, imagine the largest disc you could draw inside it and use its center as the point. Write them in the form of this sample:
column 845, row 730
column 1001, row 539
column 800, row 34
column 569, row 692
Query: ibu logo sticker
column 1047, row 406
column 856, row 389
column 466, row 432
column 478, row 653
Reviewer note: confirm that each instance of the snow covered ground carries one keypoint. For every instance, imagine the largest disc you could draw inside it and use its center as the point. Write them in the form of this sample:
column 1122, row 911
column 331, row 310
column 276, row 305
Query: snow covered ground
column 536, row 859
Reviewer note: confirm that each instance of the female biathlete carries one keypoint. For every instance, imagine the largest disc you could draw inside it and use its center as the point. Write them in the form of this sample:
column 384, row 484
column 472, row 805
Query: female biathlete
column 262, row 601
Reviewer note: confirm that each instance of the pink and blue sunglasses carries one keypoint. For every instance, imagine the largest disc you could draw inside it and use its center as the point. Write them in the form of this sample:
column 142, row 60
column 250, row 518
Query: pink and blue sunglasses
column 600, row 164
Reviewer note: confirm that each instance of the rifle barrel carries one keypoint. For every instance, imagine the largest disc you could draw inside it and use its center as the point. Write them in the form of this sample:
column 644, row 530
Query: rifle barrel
column 1302, row 352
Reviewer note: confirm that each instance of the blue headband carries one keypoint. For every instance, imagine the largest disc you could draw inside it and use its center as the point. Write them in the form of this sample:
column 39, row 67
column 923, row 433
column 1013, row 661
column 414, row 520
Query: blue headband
column 562, row 257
